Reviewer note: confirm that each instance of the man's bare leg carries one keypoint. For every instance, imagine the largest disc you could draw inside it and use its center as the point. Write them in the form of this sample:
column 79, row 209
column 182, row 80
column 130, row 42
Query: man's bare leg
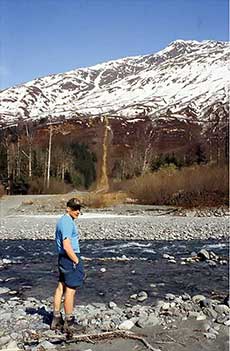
column 69, row 301
column 57, row 321
column 58, row 297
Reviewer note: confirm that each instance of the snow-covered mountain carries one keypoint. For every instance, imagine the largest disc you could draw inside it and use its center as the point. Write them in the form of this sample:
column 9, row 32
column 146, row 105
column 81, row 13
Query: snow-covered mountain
column 185, row 74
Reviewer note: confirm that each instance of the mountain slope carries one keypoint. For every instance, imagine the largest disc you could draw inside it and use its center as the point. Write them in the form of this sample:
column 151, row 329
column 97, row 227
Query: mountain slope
column 186, row 73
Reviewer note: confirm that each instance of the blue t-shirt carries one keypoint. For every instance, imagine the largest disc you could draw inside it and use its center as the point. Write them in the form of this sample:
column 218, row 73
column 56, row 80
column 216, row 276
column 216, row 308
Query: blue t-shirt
column 66, row 228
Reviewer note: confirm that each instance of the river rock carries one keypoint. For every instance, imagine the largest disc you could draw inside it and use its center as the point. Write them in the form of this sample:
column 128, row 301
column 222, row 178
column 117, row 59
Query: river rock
column 211, row 336
column 186, row 297
column 4, row 290
column 166, row 256
column 210, row 312
column 142, row 296
column 46, row 345
column 172, row 260
column 148, row 320
column 4, row 340
column 203, row 255
column 201, row 317
column 133, row 297
column 112, row 305
column 222, row 309
column 169, row 296
column 221, row 319
column 6, row 261
column 126, row 325
column 198, row 298
column 193, row 314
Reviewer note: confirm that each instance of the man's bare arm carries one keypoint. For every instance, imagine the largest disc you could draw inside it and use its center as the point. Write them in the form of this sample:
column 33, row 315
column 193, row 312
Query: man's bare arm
column 69, row 250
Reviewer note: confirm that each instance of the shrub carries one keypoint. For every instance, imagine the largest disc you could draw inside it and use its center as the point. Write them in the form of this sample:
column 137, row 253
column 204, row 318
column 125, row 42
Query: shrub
column 99, row 200
column 57, row 187
column 36, row 186
column 2, row 190
column 205, row 185
column 165, row 161
column 20, row 185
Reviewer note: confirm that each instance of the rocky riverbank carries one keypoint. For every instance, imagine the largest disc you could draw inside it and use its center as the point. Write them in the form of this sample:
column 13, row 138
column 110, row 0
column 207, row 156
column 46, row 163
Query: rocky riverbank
column 115, row 227
column 177, row 302
column 152, row 272
column 25, row 323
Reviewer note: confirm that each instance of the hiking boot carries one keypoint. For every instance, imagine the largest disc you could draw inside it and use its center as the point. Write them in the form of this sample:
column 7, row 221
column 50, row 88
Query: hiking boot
column 71, row 326
column 57, row 323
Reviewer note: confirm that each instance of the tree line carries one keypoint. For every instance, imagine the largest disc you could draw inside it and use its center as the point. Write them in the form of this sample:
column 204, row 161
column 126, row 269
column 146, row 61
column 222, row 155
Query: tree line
column 29, row 165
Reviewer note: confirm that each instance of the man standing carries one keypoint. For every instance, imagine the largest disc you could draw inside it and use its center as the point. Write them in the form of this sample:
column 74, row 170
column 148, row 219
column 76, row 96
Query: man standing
column 71, row 272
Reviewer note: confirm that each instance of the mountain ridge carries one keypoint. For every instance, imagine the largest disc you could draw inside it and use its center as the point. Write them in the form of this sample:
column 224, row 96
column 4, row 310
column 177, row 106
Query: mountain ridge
column 184, row 74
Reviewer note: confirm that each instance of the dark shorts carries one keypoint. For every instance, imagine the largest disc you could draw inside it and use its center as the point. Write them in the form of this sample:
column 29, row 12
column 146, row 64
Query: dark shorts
column 70, row 274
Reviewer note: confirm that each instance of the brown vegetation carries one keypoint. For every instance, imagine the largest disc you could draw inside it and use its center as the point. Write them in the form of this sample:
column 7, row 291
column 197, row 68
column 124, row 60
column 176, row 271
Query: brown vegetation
column 2, row 191
column 101, row 200
column 200, row 185
column 37, row 186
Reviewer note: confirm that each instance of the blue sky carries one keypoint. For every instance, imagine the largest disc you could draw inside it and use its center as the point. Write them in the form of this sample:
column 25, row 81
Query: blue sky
column 41, row 37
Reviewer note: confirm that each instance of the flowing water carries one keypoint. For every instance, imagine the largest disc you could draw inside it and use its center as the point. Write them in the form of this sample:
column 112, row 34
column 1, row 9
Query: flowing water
column 130, row 266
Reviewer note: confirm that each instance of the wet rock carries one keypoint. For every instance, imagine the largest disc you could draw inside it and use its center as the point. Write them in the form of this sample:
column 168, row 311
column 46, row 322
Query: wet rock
column 166, row 256
column 133, row 297
column 6, row 261
column 170, row 296
column 161, row 284
column 213, row 256
column 172, row 260
column 186, row 297
column 142, row 296
column 203, row 255
column 223, row 262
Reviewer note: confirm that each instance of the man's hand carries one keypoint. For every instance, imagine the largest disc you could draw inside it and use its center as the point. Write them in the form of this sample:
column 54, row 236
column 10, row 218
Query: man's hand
column 69, row 250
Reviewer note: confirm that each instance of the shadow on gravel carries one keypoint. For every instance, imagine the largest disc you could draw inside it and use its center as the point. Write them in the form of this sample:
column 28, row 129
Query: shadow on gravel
column 41, row 311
